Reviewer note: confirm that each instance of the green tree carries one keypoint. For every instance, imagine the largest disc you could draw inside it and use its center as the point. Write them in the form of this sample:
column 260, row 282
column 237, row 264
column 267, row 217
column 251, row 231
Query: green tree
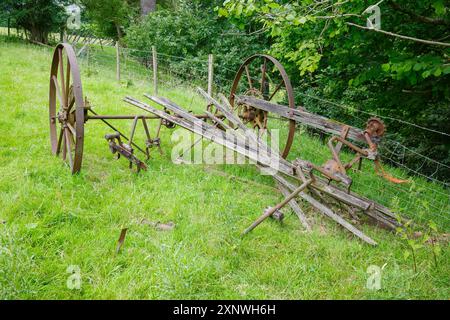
column 111, row 17
column 37, row 17
column 191, row 29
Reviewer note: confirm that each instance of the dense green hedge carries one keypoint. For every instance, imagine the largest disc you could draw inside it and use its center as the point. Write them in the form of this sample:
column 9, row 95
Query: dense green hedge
column 192, row 31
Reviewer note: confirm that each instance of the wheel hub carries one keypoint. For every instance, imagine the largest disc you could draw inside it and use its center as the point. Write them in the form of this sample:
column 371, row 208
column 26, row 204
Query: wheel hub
column 257, row 117
column 62, row 116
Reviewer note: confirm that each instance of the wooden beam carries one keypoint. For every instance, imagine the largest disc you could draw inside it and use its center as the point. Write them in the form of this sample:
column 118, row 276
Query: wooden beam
column 302, row 116
column 295, row 207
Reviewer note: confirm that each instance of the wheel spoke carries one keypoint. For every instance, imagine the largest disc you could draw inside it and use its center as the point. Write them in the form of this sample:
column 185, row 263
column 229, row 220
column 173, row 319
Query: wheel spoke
column 71, row 128
column 263, row 77
column 248, row 77
column 71, row 103
column 69, row 146
column 68, row 80
column 58, row 90
column 58, row 149
column 61, row 71
column 64, row 153
column 276, row 90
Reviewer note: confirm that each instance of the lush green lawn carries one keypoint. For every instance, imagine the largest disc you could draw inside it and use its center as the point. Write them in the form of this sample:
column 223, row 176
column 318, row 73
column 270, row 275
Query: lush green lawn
column 50, row 220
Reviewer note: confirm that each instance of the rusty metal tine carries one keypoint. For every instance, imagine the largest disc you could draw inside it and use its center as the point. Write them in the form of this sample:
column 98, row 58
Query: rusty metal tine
column 121, row 240
column 158, row 129
column 147, row 134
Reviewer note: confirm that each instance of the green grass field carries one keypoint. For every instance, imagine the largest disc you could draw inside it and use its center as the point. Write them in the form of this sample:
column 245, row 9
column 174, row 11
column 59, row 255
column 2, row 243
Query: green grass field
column 51, row 220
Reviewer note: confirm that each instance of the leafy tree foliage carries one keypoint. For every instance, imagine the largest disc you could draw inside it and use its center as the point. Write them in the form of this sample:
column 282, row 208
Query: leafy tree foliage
column 37, row 17
column 111, row 17
column 192, row 30
column 328, row 56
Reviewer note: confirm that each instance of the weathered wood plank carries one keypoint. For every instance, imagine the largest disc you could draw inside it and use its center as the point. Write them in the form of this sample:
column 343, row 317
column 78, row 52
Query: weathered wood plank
column 302, row 116
column 295, row 207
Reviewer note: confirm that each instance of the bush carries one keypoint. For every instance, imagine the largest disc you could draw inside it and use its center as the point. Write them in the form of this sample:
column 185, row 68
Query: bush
column 186, row 35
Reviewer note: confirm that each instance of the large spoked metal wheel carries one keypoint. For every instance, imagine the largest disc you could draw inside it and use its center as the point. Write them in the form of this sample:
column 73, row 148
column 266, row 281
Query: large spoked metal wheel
column 66, row 107
column 263, row 77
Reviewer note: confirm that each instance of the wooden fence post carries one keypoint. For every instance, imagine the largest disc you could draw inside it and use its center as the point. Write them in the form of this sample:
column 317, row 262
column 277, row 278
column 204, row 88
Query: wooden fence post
column 117, row 61
column 210, row 74
column 155, row 71
column 87, row 58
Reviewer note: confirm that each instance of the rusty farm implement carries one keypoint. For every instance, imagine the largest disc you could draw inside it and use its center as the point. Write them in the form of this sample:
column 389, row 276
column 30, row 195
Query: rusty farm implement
column 261, row 100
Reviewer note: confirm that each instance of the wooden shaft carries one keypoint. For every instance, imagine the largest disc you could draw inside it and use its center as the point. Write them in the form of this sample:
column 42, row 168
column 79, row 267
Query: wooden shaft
column 269, row 212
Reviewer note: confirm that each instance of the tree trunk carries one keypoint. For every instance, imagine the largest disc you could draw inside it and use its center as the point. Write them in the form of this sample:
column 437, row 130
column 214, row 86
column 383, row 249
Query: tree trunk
column 119, row 32
column 37, row 35
column 147, row 6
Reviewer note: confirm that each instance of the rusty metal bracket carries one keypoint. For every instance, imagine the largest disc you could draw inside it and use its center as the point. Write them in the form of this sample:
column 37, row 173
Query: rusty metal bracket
column 118, row 147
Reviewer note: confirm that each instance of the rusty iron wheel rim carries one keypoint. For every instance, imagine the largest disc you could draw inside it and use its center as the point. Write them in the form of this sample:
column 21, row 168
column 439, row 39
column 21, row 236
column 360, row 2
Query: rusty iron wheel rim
column 285, row 84
column 66, row 107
